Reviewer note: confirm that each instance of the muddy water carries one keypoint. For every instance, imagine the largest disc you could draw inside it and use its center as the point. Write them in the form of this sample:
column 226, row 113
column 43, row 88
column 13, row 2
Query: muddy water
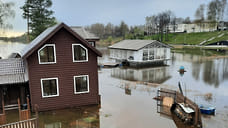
column 126, row 94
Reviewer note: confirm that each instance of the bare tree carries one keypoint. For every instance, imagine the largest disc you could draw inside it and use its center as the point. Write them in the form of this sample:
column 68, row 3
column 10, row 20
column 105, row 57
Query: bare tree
column 199, row 15
column 5, row 13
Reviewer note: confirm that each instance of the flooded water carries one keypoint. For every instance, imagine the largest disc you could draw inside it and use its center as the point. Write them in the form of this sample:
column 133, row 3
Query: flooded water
column 127, row 93
column 6, row 48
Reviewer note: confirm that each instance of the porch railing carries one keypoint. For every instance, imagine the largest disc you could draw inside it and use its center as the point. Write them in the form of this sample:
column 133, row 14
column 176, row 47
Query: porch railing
column 30, row 123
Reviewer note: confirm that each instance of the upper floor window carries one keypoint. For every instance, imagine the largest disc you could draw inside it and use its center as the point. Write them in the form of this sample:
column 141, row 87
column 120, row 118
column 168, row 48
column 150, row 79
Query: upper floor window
column 80, row 53
column 47, row 54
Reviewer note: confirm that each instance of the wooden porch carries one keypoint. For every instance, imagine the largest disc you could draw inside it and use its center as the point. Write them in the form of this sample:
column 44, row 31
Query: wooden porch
column 25, row 120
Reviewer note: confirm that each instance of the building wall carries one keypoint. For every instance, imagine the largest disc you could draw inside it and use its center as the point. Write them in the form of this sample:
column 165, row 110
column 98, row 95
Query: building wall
column 159, row 53
column 189, row 28
column 64, row 69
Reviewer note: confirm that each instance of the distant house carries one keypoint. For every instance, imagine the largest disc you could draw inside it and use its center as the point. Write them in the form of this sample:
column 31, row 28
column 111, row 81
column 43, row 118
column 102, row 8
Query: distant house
column 58, row 69
column 139, row 53
column 190, row 28
column 88, row 36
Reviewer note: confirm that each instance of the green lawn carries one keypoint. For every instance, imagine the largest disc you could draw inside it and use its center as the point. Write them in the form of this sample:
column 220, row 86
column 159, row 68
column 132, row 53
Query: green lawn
column 193, row 38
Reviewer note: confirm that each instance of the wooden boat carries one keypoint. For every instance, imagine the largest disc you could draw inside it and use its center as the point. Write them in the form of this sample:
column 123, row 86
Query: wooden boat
column 206, row 109
column 183, row 112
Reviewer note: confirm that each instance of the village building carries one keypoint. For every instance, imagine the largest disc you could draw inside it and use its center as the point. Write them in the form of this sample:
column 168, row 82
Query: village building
column 190, row 28
column 140, row 53
column 58, row 69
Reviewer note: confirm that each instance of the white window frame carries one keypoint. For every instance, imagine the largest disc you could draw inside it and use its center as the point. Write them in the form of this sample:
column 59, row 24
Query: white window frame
column 73, row 53
column 76, row 85
column 53, row 45
column 57, row 84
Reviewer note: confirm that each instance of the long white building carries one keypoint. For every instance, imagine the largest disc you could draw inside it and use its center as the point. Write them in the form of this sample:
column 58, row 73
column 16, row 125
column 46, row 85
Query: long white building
column 140, row 52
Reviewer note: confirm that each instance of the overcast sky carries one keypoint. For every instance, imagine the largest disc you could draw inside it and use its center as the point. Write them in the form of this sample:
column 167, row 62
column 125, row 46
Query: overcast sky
column 86, row 12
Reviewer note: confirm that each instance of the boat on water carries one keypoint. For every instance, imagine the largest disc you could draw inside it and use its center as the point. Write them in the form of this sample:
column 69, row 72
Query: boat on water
column 206, row 109
column 183, row 112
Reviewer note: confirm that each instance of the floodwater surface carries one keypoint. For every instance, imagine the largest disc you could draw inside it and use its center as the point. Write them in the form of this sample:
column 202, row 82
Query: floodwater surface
column 127, row 93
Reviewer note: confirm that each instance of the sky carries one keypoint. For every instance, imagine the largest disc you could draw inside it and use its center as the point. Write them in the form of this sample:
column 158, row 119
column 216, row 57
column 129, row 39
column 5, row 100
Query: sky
column 87, row 12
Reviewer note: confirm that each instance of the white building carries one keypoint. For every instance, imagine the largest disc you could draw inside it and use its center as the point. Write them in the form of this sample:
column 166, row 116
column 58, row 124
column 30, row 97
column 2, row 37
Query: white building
column 189, row 28
column 140, row 52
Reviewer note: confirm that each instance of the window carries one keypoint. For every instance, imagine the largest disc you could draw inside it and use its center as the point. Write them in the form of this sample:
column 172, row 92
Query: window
column 145, row 54
column 49, row 87
column 80, row 53
column 81, row 84
column 92, row 43
column 47, row 54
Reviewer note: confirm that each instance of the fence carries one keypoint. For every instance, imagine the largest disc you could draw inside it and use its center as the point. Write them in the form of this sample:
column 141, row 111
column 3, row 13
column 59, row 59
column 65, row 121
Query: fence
column 31, row 123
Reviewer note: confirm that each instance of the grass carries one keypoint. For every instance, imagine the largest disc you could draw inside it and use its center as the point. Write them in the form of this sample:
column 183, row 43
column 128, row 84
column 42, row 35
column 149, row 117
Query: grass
column 178, row 38
column 195, row 38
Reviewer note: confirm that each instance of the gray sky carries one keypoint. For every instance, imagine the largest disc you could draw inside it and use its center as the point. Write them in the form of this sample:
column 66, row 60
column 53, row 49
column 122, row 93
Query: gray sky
column 86, row 12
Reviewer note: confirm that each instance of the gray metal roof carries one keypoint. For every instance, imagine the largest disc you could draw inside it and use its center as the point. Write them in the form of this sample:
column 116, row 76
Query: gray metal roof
column 38, row 39
column 12, row 71
column 135, row 44
column 83, row 33
column 79, row 30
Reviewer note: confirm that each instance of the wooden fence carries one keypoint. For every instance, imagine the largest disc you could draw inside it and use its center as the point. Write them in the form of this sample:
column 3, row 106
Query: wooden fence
column 31, row 123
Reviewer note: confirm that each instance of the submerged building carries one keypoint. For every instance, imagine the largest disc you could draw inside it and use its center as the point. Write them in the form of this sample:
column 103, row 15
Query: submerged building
column 140, row 53
column 58, row 69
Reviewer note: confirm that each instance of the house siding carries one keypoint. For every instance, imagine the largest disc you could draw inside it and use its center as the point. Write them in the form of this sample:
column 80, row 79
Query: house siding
column 64, row 70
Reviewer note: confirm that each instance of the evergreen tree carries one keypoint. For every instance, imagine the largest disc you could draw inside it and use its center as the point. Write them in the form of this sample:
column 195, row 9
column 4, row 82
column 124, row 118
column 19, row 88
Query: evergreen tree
column 38, row 16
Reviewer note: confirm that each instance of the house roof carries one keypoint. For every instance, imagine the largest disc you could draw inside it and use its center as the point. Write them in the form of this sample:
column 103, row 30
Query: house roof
column 12, row 71
column 84, row 33
column 135, row 44
column 47, row 34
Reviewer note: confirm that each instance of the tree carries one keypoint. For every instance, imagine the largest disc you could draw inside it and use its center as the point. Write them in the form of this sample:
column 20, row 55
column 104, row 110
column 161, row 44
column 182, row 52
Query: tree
column 187, row 20
column 199, row 15
column 98, row 29
column 123, row 29
column 109, row 30
column 5, row 13
column 38, row 16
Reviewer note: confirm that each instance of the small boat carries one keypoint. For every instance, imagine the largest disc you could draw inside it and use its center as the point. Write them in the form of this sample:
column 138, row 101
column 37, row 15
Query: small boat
column 206, row 109
column 183, row 112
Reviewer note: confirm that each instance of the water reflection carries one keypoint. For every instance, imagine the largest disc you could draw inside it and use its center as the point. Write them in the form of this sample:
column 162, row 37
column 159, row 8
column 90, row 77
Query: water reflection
column 151, row 75
column 87, row 117
column 7, row 48
column 213, row 70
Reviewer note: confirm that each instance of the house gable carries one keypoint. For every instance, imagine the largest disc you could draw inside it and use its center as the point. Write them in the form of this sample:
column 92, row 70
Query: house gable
column 50, row 32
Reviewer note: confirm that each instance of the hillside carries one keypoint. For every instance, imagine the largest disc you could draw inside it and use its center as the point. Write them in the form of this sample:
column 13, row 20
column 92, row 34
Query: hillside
column 197, row 38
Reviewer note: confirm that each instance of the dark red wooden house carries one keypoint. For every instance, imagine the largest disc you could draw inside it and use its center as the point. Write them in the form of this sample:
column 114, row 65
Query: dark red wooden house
column 61, row 69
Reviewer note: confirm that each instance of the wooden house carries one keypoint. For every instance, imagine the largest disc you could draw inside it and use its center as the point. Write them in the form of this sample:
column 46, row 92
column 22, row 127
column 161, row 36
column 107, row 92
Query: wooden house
column 140, row 53
column 60, row 69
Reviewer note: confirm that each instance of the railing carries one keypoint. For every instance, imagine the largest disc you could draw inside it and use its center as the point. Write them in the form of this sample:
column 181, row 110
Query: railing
column 2, row 115
column 31, row 123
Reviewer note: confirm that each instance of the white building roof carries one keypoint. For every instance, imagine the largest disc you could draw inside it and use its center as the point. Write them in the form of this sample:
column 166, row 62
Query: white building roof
column 136, row 44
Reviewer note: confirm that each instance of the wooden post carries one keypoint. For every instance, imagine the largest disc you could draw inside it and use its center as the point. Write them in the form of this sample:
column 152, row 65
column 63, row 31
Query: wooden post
column 37, row 115
column 19, row 108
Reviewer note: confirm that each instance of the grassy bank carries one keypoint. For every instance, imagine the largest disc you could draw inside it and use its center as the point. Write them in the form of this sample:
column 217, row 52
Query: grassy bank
column 194, row 38
column 179, row 38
